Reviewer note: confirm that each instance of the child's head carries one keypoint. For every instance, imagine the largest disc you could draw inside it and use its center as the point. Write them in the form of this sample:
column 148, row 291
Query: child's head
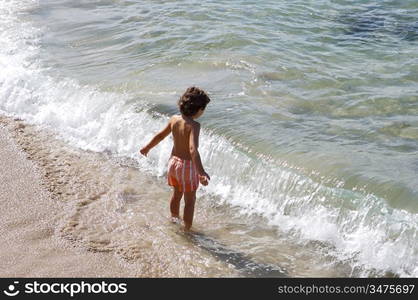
column 193, row 101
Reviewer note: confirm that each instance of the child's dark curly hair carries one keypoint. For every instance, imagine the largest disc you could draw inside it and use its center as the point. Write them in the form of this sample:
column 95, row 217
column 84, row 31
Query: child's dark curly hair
column 192, row 100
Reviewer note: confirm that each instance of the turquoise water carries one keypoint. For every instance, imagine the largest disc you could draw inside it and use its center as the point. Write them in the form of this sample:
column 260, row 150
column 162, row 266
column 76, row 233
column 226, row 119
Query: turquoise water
column 306, row 83
column 313, row 123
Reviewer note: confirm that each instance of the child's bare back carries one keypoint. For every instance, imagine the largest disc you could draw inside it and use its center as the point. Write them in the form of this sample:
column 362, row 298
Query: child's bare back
column 181, row 128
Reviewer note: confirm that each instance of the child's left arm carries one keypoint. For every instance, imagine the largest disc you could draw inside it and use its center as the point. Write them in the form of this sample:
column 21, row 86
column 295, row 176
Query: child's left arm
column 156, row 139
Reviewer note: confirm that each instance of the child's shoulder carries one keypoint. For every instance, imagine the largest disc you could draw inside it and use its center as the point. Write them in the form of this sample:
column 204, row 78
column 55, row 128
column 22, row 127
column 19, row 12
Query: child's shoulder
column 178, row 117
column 173, row 118
column 194, row 124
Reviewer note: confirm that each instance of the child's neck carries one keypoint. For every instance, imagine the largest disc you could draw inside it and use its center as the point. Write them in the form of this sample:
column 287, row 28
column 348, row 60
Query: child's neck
column 187, row 117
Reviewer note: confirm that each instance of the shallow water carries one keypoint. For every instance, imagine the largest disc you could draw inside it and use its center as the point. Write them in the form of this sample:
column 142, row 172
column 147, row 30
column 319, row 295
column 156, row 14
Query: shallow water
column 312, row 131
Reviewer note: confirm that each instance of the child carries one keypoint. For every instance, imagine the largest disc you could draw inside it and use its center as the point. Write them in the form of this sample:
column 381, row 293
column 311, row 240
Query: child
column 185, row 169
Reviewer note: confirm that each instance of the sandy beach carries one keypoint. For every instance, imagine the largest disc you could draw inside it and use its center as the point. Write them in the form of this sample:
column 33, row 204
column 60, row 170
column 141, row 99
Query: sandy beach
column 55, row 206
column 31, row 211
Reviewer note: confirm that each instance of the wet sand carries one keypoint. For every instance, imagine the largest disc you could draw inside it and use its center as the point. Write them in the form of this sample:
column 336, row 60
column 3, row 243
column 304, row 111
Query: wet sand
column 73, row 213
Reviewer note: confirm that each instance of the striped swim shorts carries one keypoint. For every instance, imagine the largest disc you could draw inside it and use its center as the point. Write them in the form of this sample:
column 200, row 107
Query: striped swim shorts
column 182, row 174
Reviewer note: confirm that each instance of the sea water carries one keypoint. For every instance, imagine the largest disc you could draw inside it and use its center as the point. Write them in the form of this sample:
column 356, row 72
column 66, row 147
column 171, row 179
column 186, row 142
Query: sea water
column 311, row 137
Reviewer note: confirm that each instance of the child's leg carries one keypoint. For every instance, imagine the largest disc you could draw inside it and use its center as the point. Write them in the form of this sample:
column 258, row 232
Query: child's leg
column 175, row 203
column 189, row 199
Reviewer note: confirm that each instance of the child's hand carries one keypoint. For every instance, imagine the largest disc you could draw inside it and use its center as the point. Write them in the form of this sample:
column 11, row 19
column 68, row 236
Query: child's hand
column 144, row 151
column 204, row 178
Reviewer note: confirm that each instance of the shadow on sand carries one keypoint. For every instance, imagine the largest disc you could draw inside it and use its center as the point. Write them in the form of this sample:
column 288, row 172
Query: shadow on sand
column 240, row 261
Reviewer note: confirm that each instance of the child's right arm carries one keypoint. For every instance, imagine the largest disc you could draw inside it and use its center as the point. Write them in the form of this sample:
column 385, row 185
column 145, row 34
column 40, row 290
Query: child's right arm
column 194, row 153
column 156, row 139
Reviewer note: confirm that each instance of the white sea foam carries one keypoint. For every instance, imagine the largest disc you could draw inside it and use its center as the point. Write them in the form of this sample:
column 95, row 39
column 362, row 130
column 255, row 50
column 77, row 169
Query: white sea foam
column 361, row 229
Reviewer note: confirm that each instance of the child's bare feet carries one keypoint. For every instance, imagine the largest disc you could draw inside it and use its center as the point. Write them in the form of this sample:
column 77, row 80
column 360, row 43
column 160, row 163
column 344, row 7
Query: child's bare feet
column 175, row 219
column 188, row 230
